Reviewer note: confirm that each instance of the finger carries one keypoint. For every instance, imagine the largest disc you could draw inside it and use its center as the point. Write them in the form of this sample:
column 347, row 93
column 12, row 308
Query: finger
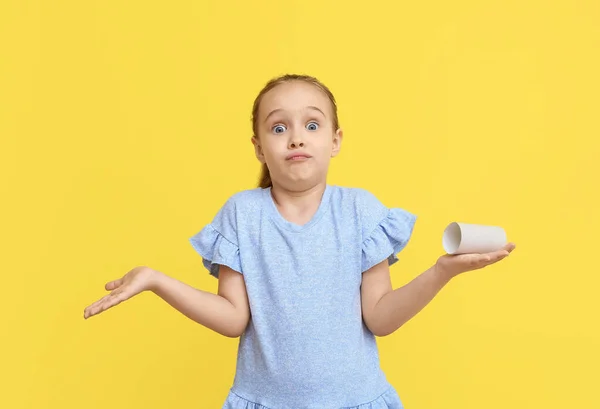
column 484, row 257
column 95, row 304
column 117, row 296
column 92, row 309
column 110, row 300
column 499, row 254
column 106, row 303
column 495, row 257
column 478, row 261
column 97, row 309
column 113, row 284
column 509, row 247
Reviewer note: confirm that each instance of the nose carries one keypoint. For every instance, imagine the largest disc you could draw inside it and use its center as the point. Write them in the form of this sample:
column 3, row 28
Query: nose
column 296, row 141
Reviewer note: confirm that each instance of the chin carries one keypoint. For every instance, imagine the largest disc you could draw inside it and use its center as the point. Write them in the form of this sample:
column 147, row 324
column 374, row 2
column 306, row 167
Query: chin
column 303, row 183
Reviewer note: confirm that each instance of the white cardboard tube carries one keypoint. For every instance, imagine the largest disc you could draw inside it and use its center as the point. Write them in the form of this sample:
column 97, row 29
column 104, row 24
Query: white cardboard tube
column 460, row 238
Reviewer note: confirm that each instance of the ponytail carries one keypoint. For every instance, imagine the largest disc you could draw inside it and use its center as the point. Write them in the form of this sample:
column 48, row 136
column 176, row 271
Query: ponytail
column 265, row 177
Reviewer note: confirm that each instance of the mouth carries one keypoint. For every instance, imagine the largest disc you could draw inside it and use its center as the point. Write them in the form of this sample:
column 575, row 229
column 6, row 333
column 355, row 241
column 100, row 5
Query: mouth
column 298, row 156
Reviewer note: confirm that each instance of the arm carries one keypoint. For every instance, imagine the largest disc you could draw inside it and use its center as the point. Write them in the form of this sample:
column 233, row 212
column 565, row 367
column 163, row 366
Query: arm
column 385, row 310
column 227, row 312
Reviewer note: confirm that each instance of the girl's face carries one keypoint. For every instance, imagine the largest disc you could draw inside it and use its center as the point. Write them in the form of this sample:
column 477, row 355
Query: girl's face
column 296, row 138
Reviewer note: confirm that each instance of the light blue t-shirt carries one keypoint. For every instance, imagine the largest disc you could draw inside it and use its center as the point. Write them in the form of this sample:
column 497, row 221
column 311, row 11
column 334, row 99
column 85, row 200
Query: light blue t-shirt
column 306, row 345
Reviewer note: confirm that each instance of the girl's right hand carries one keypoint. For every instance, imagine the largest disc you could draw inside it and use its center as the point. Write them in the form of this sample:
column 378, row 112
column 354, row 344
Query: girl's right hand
column 134, row 282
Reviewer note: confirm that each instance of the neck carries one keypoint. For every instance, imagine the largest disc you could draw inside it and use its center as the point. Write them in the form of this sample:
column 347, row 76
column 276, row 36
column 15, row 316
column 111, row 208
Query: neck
column 299, row 200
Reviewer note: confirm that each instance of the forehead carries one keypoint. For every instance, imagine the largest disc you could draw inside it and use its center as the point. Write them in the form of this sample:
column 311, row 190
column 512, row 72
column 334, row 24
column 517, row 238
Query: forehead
column 294, row 96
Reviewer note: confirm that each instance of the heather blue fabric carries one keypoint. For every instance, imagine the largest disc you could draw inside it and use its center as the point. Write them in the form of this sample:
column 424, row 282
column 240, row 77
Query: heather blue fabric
column 306, row 345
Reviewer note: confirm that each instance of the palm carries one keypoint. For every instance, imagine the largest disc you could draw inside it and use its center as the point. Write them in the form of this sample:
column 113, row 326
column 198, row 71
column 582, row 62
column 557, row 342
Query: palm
column 453, row 265
column 132, row 283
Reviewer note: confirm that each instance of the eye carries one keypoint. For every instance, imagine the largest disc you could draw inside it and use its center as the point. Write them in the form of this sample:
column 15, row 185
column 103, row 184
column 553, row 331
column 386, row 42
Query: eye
column 279, row 128
column 312, row 126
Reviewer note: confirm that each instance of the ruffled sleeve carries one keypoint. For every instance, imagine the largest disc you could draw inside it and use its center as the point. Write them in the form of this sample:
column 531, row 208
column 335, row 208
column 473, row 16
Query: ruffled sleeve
column 385, row 232
column 217, row 242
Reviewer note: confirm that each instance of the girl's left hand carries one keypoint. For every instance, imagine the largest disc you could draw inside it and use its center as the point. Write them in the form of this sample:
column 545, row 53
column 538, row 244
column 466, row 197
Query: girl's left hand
column 451, row 265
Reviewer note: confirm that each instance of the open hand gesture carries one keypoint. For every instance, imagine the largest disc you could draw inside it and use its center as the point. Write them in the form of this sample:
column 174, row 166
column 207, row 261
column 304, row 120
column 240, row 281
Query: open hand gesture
column 451, row 265
column 134, row 282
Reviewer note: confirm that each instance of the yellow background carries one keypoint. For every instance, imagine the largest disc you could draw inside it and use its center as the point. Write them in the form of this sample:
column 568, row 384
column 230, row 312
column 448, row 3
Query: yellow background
column 126, row 125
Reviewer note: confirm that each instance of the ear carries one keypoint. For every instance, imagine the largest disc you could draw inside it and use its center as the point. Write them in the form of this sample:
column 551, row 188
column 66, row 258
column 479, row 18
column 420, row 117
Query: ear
column 337, row 142
column 258, row 149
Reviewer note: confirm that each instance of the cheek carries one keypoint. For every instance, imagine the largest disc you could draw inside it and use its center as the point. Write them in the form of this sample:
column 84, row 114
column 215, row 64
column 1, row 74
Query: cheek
column 273, row 145
column 325, row 142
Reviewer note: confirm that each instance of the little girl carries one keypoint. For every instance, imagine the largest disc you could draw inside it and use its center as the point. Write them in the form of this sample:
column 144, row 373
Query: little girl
column 303, row 268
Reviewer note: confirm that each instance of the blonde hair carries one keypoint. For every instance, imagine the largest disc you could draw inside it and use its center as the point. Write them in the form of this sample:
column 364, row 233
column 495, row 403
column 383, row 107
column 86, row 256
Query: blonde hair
column 265, row 176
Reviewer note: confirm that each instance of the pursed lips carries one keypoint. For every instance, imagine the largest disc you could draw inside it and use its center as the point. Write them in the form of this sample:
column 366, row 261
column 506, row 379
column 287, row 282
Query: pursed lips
column 298, row 156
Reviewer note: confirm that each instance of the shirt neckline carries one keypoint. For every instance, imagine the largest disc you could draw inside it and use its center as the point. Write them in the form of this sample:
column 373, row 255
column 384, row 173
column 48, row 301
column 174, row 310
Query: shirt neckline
column 286, row 224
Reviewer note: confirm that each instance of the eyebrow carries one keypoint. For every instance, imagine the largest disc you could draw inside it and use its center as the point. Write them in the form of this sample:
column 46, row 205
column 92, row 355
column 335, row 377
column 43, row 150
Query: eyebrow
column 279, row 109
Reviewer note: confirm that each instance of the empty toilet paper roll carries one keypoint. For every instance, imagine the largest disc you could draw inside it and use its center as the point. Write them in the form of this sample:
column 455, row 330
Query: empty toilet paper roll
column 461, row 238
